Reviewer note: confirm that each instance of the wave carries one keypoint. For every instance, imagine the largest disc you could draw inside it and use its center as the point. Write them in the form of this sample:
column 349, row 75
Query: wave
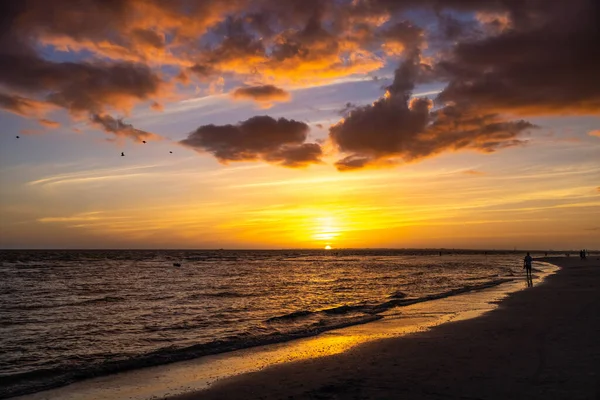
column 197, row 296
column 44, row 379
column 343, row 316
column 105, row 299
column 38, row 306
column 397, row 299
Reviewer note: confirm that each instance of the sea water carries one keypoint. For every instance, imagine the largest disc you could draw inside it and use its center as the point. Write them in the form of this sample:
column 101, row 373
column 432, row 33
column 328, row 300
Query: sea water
column 71, row 315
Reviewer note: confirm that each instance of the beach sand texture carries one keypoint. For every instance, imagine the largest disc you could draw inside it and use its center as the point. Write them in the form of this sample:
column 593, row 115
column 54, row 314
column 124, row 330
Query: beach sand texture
column 542, row 343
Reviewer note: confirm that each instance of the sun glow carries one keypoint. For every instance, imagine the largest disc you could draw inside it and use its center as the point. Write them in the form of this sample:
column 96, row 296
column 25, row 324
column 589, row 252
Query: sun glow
column 326, row 229
column 328, row 247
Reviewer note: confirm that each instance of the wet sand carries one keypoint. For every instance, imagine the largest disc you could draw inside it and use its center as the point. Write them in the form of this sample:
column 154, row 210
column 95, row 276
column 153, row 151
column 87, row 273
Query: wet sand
column 541, row 343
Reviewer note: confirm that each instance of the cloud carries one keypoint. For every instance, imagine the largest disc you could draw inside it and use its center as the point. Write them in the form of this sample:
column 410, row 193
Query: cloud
column 79, row 87
column 500, row 58
column 48, row 123
column 544, row 64
column 121, row 129
column 264, row 94
column 397, row 129
column 31, row 131
column 23, row 106
column 277, row 141
column 400, row 36
column 594, row 133
column 473, row 172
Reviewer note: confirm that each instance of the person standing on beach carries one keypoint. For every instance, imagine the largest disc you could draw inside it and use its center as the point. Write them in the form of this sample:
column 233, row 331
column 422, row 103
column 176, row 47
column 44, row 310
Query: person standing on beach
column 527, row 264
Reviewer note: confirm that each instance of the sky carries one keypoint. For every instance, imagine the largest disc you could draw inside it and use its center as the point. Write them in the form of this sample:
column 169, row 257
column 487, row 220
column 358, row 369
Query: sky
column 274, row 124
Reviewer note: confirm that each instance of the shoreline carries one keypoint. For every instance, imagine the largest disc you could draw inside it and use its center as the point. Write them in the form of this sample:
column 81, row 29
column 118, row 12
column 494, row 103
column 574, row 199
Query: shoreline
column 540, row 343
column 201, row 373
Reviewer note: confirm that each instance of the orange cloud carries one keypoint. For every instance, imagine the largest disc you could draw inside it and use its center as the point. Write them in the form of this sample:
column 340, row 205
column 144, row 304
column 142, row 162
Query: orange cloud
column 22, row 106
column 48, row 123
column 594, row 133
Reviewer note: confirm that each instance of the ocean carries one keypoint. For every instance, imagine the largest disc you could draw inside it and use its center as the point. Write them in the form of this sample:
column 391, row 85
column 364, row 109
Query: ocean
column 71, row 315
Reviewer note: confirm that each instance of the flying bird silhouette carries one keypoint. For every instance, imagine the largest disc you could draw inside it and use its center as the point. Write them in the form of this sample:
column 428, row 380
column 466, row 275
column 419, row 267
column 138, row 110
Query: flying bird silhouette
column 143, row 141
column 171, row 152
column 122, row 154
column 17, row 137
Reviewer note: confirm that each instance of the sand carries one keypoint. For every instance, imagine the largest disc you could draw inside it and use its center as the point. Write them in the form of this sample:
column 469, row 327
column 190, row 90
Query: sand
column 540, row 343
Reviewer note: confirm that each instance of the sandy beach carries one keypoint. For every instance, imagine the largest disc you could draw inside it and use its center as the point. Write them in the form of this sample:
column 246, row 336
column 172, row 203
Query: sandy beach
column 540, row 343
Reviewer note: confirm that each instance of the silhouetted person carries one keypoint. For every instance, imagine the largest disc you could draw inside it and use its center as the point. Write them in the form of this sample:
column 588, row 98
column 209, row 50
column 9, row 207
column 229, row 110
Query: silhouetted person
column 122, row 154
column 527, row 263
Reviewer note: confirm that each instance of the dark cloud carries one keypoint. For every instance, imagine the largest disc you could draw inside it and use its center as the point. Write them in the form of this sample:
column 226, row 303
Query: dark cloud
column 261, row 93
column 296, row 156
column 149, row 37
column 278, row 141
column 121, row 129
column 401, row 35
column 79, row 87
column 545, row 63
column 397, row 128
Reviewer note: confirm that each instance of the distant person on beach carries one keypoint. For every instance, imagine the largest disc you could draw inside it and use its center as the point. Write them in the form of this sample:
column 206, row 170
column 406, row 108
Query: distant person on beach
column 527, row 264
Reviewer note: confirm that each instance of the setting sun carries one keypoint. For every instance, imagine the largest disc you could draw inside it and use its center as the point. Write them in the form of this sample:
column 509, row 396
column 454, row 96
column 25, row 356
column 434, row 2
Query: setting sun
column 328, row 247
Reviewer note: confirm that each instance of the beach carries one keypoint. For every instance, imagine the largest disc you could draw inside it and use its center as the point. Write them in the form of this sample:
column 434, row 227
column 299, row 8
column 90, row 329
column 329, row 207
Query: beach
column 507, row 340
column 92, row 325
column 540, row 343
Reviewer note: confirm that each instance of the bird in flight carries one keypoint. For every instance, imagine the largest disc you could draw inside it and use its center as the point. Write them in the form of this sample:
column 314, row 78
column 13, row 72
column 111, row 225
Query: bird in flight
column 17, row 137
column 143, row 141
column 171, row 152
column 122, row 154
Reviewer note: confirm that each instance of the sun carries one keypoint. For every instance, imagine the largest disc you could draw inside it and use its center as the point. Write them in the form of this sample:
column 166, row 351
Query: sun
column 328, row 247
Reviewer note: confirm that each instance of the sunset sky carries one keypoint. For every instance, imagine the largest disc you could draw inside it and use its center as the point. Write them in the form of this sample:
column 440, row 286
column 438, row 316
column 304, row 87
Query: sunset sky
column 300, row 124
